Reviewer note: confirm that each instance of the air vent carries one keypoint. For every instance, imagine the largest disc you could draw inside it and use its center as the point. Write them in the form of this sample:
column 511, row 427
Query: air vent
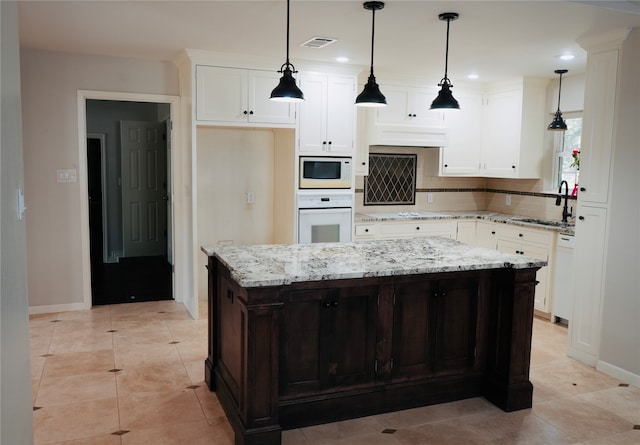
column 318, row 42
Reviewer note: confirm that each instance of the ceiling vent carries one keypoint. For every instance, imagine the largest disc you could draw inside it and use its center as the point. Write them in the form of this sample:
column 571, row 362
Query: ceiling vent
column 318, row 42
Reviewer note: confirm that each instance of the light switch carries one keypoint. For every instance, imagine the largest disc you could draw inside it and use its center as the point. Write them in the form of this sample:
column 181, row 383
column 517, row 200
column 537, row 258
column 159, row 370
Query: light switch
column 67, row 175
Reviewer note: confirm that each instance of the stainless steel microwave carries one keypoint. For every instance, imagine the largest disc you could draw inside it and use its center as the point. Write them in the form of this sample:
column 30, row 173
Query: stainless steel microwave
column 325, row 172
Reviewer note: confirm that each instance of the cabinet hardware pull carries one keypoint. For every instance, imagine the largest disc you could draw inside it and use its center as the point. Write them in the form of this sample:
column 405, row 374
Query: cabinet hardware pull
column 364, row 163
column 251, row 112
column 324, row 142
column 520, row 235
column 327, row 304
column 335, row 303
column 582, row 189
column 329, row 142
column 443, row 294
column 513, row 166
column 418, row 228
column 366, row 230
column 581, row 218
column 493, row 232
column 446, row 165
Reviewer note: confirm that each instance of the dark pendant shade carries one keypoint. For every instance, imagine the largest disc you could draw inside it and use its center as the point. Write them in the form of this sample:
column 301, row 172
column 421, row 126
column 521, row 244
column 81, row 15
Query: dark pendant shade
column 287, row 90
column 445, row 99
column 558, row 123
column 371, row 95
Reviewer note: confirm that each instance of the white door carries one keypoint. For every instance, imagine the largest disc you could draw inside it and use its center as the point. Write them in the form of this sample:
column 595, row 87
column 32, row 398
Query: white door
column 144, row 188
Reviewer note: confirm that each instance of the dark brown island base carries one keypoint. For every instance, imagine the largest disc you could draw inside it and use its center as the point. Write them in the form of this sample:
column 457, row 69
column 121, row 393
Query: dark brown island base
column 308, row 334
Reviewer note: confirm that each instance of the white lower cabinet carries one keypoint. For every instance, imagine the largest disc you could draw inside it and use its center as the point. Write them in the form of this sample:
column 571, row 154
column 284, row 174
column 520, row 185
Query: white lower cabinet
column 538, row 244
column 486, row 234
column 404, row 229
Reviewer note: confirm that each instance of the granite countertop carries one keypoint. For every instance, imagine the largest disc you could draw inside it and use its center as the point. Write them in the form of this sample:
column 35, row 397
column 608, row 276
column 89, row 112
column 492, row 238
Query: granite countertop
column 280, row 264
column 524, row 221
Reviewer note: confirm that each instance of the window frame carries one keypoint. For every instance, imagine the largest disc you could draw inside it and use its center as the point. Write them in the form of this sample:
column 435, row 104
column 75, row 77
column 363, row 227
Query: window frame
column 558, row 149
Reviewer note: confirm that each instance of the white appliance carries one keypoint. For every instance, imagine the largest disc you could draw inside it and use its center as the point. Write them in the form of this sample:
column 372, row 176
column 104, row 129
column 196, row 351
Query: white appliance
column 562, row 301
column 324, row 217
column 325, row 172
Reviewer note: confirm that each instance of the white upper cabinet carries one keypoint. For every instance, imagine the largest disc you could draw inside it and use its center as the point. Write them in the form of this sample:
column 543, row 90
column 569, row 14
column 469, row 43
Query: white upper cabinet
column 513, row 130
column 407, row 119
column 598, row 117
column 235, row 96
column 498, row 133
column 461, row 155
column 328, row 114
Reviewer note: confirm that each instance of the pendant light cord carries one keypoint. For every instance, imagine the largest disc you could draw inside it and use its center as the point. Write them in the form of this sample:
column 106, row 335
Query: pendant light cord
column 287, row 64
column 373, row 31
column 446, row 80
column 559, row 90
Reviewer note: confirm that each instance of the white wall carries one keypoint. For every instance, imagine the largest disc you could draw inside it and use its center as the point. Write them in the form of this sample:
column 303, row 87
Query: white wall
column 50, row 82
column 16, row 411
column 620, row 332
column 232, row 163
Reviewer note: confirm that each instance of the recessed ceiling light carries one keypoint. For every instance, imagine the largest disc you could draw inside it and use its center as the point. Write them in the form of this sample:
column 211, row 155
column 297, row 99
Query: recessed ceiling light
column 567, row 57
column 472, row 76
column 342, row 59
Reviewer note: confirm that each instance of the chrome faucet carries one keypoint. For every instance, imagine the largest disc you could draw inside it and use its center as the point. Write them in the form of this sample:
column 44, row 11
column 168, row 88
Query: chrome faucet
column 565, row 209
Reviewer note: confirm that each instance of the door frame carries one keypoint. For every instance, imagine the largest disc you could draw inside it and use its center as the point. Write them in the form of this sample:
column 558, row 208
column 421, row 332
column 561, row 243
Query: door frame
column 101, row 137
column 179, row 283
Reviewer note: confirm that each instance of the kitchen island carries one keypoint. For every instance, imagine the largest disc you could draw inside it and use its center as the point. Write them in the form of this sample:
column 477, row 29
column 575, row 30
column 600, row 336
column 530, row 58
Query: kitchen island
column 313, row 333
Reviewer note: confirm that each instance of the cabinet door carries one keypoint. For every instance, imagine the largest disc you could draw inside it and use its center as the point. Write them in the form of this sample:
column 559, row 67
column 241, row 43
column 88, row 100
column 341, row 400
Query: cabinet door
column 501, row 133
column 461, row 156
column 261, row 108
column 486, row 234
column 466, row 232
column 414, row 323
column 313, row 114
column 304, row 347
column 597, row 127
column 221, row 94
column 456, row 305
column 341, row 115
column 409, row 105
column 352, row 334
column 588, row 265
column 397, row 109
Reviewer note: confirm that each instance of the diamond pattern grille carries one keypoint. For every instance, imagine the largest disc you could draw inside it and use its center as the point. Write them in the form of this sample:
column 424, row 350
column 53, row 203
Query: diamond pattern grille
column 391, row 180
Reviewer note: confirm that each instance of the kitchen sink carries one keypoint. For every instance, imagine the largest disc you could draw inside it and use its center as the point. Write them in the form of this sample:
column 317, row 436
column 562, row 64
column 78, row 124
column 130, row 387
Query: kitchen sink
column 542, row 222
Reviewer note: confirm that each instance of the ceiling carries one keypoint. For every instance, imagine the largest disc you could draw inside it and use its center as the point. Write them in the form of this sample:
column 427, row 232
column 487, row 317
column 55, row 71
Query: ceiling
column 494, row 39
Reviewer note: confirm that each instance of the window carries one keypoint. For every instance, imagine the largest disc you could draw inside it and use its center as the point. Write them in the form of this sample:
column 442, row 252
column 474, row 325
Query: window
column 566, row 142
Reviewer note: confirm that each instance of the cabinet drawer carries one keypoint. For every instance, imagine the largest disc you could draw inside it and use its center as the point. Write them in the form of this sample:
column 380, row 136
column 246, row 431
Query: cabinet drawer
column 365, row 230
column 416, row 228
column 523, row 234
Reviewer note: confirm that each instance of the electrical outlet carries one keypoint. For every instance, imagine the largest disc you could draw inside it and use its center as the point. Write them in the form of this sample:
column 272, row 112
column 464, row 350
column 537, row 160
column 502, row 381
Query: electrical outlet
column 251, row 198
column 429, row 197
column 507, row 200
column 67, row 175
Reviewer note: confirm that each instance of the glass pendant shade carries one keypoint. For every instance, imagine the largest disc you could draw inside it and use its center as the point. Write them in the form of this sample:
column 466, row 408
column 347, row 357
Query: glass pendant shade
column 558, row 123
column 445, row 99
column 287, row 90
column 371, row 95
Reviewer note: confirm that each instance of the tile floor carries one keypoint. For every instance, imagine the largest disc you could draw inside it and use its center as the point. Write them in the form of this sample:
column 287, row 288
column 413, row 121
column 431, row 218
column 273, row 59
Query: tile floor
column 133, row 374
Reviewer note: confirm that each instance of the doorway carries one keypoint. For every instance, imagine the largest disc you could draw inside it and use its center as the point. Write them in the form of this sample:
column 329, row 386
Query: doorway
column 128, row 191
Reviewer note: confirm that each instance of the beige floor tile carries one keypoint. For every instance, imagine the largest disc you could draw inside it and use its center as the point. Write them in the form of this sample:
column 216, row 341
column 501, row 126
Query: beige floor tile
column 195, row 370
column 193, row 350
column 191, row 433
column 186, row 330
column 338, row 431
column 151, row 410
column 294, row 437
column 140, row 333
column 72, row 326
column 631, row 437
column 580, row 419
column 111, row 439
column 81, row 341
column 75, row 421
column 60, row 365
column 147, row 354
column 223, row 433
column 622, row 401
column 152, row 378
column 571, row 378
column 447, row 432
column 210, row 405
column 76, row 388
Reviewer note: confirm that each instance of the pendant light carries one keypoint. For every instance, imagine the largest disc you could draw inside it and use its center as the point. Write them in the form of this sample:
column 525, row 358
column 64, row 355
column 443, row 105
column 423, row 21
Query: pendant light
column 287, row 90
column 558, row 124
column 445, row 99
column 371, row 95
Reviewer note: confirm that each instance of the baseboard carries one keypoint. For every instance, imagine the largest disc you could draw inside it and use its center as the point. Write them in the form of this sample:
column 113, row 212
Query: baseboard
column 618, row 373
column 50, row 309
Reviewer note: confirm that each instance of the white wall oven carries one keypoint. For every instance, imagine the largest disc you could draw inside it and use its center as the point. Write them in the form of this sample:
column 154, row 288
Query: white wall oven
column 324, row 217
column 325, row 172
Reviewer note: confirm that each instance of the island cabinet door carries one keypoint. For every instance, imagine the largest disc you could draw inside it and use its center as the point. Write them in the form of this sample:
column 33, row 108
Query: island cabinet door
column 327, row 339
column 434, row 327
